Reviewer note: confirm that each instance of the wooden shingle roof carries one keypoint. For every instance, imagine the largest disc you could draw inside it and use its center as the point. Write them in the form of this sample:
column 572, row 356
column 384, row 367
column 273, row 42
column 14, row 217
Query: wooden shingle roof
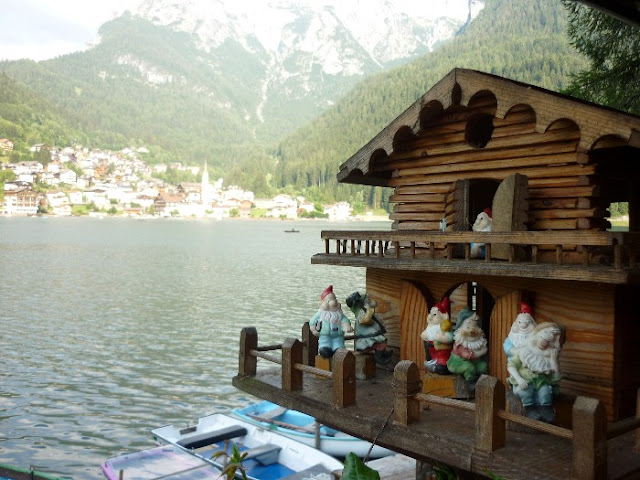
column 459, row 87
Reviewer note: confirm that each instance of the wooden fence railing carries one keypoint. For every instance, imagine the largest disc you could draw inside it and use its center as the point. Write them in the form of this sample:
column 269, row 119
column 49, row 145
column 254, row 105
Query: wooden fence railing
column 343, row 364
column 621, row 247
column 589, row 434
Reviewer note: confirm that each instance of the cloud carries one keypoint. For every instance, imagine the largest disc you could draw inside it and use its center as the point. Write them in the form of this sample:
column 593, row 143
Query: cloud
column 40, row 29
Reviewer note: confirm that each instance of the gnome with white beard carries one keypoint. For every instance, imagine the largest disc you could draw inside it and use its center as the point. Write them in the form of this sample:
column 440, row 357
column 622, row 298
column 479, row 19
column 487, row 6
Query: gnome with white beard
column 438, row 338
column 522, row 327
column 483, row 223
column 370, row 332
column 469, row 354
column 329, row 324
column 535, row 372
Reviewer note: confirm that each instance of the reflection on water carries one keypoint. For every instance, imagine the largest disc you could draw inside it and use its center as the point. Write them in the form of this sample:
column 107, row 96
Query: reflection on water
column 111, row 327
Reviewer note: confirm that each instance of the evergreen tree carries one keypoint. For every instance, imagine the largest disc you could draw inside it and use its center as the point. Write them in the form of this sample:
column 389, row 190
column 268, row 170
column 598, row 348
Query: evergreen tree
column 613, row 48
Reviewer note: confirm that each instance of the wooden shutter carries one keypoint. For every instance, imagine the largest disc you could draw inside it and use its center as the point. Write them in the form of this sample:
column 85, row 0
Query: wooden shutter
column 510, row 211
column 458, row 207
column 414, row 308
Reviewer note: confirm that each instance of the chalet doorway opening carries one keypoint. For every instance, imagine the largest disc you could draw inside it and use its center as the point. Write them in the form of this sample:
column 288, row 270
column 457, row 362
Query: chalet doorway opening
column 475, row 297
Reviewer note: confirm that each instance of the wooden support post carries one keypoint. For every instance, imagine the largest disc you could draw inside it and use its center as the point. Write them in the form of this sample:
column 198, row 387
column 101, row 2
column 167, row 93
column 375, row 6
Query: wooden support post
column 589, row 439
column 353, row 246
column 559, row 254
column 467, row 251
column 338, row 248
column 326, row 246
column 344, row 378
column 291, row 355
column 638, row 417
column 432, row 250
column 380, row 249
column 617, row 256
column 248, row 341
column 366, row 248
column 406, row 407
column 534, row 253
column 309, row 346
column 487, row 252
column 413, row 250
column 396, row 246
column 490, row 429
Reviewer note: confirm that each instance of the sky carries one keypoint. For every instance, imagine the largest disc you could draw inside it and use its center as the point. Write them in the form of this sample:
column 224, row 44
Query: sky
column 42, row 29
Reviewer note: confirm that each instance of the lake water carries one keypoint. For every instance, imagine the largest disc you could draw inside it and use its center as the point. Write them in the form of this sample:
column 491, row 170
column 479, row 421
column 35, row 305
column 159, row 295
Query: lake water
column 112, row 327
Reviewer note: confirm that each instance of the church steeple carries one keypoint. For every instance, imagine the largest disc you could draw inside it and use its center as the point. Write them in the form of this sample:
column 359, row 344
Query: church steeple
column 205, row 187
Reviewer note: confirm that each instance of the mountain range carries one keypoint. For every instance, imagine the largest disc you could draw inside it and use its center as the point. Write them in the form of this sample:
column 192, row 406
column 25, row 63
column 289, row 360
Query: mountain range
column 234, row 82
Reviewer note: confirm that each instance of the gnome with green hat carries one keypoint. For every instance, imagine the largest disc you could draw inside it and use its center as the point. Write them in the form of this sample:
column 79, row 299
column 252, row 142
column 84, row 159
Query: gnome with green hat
column 469, row 355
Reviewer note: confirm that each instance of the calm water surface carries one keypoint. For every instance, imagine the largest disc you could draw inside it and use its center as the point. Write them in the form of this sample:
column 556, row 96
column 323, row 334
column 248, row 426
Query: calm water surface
column 112, row 327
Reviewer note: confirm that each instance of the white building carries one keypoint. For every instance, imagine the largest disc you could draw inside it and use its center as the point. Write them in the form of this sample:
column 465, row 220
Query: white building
column 338, row 211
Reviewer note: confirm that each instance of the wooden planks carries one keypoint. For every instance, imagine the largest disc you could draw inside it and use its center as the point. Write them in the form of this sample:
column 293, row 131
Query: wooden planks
column 427, row 166
column 413, row 320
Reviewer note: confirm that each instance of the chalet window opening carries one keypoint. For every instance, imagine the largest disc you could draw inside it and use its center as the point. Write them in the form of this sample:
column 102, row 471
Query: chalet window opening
column 479, row 130
column 619, row 190
column 481, row 193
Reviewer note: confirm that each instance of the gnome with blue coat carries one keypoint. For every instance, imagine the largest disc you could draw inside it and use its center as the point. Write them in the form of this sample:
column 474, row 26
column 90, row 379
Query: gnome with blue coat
column 329, row 324
column 370, row 332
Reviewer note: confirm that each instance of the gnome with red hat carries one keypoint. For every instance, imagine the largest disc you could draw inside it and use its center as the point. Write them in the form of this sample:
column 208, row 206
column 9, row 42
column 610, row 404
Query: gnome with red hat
column 521, row 328
column 482, row 224
column 438, row 338
column 329, row 324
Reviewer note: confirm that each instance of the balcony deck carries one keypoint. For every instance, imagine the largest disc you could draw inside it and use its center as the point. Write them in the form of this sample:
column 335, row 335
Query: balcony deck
column 467, row 435
column 607, row 257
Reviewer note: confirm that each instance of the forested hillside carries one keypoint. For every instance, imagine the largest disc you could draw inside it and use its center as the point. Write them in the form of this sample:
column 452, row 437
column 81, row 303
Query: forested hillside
column 26, row 118
column 523, row 40
column 123, row 99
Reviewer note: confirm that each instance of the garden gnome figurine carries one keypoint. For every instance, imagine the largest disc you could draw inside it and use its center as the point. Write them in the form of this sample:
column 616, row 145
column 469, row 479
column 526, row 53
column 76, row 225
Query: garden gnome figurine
column 534, row 371
column 522, row 326
column 438, row 338
column 329, row 324
column 482, row 224
column 370, row 332
column 469, row 354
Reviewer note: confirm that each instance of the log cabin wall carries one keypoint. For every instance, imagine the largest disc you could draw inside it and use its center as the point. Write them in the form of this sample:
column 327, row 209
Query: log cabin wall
column 584, row 310
column 470, row 143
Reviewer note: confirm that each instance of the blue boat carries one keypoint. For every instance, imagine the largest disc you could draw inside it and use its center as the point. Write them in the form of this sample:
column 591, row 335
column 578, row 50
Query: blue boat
column 303, row 428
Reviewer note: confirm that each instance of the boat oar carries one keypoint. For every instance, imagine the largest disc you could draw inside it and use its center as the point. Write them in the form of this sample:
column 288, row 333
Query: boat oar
column 290, row 426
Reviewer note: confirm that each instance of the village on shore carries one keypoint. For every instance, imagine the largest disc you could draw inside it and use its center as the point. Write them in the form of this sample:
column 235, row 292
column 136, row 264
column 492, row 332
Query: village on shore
column 79, row 181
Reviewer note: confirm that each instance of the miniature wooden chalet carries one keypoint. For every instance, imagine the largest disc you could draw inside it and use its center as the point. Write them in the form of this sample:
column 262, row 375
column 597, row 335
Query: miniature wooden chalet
column 549, row 166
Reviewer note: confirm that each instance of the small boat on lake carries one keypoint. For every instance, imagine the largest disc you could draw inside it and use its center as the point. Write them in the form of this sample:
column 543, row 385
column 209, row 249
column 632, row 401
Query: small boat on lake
column 269, row 455
column 9, row 472
column 302, row 427
column 293, row 230
column 166, row 461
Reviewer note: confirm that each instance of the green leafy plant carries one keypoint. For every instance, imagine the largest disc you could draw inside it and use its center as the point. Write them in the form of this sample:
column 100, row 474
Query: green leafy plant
column 444, row 472
column 232, row 463
column 355, row 469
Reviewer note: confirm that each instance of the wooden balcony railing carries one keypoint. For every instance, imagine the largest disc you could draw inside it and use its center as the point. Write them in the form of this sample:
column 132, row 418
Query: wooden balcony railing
column 343, row 364
column 612, row 253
